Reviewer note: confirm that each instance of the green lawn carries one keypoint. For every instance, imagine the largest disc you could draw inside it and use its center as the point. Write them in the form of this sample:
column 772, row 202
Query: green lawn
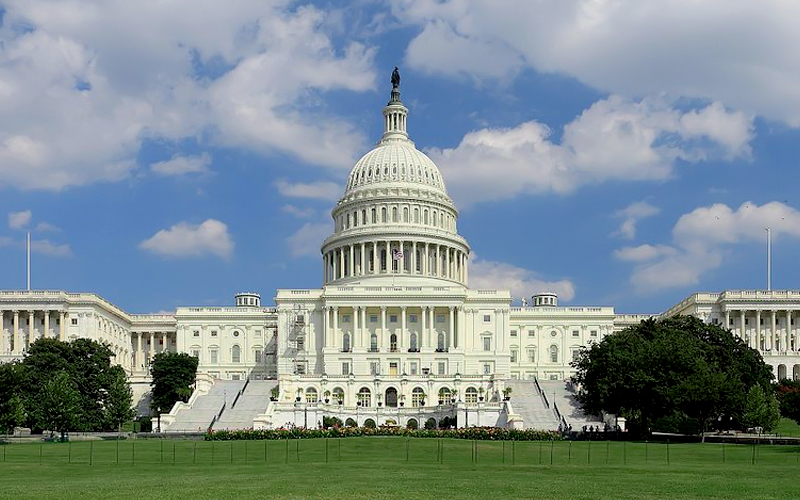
column 389, row 467
column 788, row 427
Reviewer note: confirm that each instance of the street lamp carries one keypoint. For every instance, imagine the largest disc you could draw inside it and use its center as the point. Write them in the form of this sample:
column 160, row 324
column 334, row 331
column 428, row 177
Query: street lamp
column 158, row 410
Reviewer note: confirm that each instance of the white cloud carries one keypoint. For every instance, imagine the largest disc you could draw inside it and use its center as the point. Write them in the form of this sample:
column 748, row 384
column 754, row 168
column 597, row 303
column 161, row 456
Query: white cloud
column 181, row 165
column 321, row 190
column 632, row 214
column 733, row 51
column 191, row 240
column 702, row 240
column 487, row 274
column 83, row 83
column 307, row 240
column 300, row 213
column 46, row 247
column 46, row 227
column 19, row 220
column 614, row 139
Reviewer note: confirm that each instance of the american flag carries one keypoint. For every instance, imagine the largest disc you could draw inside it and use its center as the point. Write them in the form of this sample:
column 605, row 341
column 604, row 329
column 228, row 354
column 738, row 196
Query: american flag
column 397, row 254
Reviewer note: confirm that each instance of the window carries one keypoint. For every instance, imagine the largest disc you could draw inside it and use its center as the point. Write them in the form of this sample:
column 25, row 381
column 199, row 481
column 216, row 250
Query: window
column 442, row 367
column 413, row 343
column 513, row 355
column 236, row 332
column 374, row 367
column 531, row 333
column 393, row 343
column 196, row 333
column 487, row 343
column 532, row 355
column 440, row 342
column 345, row 368
column 392, row 318
column 417, row 397
column 257, row 355
column 346, row 342
column 487, row 318
column 412, row 318
column 593, row 333
column 236, row 354
column 440, row 318
column 513, row 333
column 311, row 395
column 554, row 354
column 575, row 354
column 393, row 368
column 364, row 397
column 74, row 321
column 373, row 343
column 445, row 395
column 213, row 333
column 471, row 395
column 487, row 368
column 373, row 318
column 345, row 318
column 196, row 353
column 412, row 367
column 576, row 333
column 214, row 356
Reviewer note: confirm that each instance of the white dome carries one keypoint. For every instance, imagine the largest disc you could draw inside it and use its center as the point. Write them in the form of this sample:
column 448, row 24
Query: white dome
column 395, row 162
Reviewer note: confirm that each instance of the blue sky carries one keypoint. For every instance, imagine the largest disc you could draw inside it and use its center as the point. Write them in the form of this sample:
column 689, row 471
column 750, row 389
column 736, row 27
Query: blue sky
column 619, row 153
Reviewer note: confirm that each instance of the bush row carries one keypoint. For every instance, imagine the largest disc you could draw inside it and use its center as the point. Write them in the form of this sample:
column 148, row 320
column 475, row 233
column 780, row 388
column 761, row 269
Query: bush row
column 479, row 433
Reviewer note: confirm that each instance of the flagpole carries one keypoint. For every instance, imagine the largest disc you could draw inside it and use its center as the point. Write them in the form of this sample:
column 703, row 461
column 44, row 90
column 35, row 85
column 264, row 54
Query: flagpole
column 769, row 259
column 29, row 260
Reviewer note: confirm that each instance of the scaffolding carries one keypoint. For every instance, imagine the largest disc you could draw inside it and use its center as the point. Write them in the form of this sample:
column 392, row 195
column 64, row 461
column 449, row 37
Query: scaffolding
column 297, row 340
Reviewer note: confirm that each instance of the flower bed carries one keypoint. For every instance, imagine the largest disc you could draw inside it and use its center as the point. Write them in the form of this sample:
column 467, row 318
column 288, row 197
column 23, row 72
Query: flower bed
column 478, row 433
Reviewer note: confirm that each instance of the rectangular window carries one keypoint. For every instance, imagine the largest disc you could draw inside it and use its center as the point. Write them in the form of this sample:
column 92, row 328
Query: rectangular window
column 575, row 354
column 196, row 353
column 593, row 333
column 513, row 333
column 373, row 318
column 196, row 333
column 345, row 368
column 487, row 343
column 345, row 318
column 257, row 355
column 487, row 368
column 487, row 318
column 412, row 368
column 374, row 367
column 576, row 333
column 531, row 333
column 412, row 318
column 213, row 333
column 392, row 318
column 440, row 318
column 513, row 355
column 393, row 368
column 532, row 355
column 74, row 321
column 214, row 356
column 442, row 366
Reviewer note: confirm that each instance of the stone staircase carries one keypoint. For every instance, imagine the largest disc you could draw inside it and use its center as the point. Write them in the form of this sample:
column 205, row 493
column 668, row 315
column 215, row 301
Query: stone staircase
column 529, row 405
column 252, row 402
column 205, row 407
column 559, row 393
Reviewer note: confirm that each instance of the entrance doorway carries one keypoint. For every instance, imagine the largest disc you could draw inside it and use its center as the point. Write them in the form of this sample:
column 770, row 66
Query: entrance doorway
column 391, row 397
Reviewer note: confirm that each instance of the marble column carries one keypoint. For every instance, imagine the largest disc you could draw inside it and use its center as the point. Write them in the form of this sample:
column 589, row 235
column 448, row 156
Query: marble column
column 31, row 334
column 62, row 326
column 46, row 326
column 758, row 330
column 451, row 330
column 17, row 337
column 336, row 339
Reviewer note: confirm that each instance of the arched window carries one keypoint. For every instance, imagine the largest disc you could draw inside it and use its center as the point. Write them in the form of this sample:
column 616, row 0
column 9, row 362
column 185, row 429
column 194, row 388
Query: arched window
column 405, row 214
column 374, row 216
column 311, row 395
column 338, row 395
column 425, row 217
column 346, row 342
column 416, row 215
column 440, row 342
column 394, row 214
column 471, row 395
column 412, row 344
column 373, row 343
column 364, row 397
column 236, row 354
column 363, row 217
column 393, row 343
column 444, row 395
column 383, row 214
column 554, row 354
column 417, row 397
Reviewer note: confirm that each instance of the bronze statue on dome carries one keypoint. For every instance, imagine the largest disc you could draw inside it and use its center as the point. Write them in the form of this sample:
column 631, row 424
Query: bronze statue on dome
column 395, row 78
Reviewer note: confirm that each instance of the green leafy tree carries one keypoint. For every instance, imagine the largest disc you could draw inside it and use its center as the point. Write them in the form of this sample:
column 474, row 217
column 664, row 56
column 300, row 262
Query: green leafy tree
column 12, row 406
column 788, row 393
column 57, row 405
column 675, row 374
column 173, row 376
column 760, row 409
column 119, row 400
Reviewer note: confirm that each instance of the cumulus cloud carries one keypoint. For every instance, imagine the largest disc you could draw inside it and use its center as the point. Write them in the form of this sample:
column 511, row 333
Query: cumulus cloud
column 307, row 240
column 19, row 220
column 702, row 239
column 487, row 274
column 211, row 237
column 300, row 213
column 631, row 215
column 732, row 51
column 83, row 83
column 320, row 190
column 182, row 165
column 46, row 247
column 614, row 139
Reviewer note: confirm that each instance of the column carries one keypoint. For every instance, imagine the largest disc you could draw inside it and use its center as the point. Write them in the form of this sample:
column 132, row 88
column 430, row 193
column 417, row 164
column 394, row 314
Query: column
column 459, row 327
column 62, row 326
column 447, row 263
column 423, row 328
column 357, row 340
column 46, row 323
column 787, row 332
column 727, row 325
column 374, row 257
column 757, row 345
column 773, row 330
column 403, row 324
column 384, row 336
column 361, row 257
column 466, row 268
column 351, row 257
column 324, row 268
column 426, row 266
column 414, row 257
column 325, row 334
column 340, row 274
column 449, row 338
column 742, row 330
column 17, row 336
column 401, row 264
column 364, row 332
column 139, row 351
column 438, row 268
column 31, row 337
column 336, row 327
column 5, row 348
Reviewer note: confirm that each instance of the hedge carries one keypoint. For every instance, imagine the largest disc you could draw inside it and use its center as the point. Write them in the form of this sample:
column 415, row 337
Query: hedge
column 477, row 433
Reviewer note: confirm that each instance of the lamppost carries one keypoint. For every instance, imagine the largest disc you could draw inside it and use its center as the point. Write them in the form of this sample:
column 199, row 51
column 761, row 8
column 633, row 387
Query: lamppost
column 358, row 405
column 158, row 410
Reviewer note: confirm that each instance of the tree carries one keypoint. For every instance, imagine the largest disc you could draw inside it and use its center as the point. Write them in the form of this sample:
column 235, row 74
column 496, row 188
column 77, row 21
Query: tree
column 57, row 405
column 173, row 375
column 119, row 400
column 761, row 409
column 788, row 392
column 675, row 374
column 12, row 407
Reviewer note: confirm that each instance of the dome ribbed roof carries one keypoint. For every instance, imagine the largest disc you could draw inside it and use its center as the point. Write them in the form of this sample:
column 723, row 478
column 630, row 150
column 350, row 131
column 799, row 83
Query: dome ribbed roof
column 393, row 162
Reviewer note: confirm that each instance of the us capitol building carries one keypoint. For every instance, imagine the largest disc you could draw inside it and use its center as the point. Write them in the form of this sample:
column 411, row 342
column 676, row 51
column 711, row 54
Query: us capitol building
column 393, row 334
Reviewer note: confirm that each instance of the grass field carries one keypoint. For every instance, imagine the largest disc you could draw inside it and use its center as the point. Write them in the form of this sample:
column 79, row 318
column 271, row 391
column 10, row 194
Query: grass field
column 389, row 467
column 787, row 427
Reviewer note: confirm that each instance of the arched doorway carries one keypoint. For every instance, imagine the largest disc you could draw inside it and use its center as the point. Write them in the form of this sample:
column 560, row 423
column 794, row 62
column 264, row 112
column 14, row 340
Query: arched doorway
column 781, row 372
column 796, row 372
column 391, row 397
